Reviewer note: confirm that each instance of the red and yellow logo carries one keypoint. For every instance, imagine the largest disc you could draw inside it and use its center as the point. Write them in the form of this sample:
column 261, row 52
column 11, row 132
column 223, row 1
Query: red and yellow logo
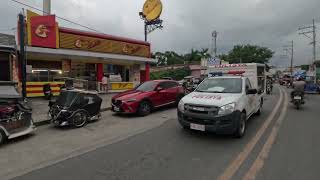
column 42, row 31
column 88, row 44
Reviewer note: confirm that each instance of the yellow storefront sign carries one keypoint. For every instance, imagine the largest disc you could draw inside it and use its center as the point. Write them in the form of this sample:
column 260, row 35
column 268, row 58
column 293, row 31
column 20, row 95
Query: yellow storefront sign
column 121, row 85
column 152, row 9
column 86, row 43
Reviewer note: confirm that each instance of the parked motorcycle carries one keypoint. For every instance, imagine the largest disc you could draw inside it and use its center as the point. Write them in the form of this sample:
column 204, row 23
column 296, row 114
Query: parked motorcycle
column 297, row 99
column 47, row 91
column 15, row 114
column 75, row 107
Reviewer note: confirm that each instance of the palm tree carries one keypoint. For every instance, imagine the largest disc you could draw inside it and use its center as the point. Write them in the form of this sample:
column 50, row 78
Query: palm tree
column 205, row 54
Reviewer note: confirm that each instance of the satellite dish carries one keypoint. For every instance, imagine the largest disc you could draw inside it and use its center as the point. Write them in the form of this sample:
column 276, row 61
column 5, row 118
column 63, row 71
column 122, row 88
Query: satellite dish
column 152, row 9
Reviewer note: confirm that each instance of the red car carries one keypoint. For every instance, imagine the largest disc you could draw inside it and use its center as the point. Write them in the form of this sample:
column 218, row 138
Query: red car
column 148, row 96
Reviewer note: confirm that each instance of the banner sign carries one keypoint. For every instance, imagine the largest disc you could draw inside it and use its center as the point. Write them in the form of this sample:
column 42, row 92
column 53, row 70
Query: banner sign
column 87, row 43
column 44, row 31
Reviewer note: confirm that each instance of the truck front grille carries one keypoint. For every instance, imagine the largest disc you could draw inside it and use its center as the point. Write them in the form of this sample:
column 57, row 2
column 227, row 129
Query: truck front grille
column 199, row 109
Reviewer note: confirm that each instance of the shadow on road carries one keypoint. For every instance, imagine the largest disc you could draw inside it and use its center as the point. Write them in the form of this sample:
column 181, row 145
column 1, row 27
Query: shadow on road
column 155, row 111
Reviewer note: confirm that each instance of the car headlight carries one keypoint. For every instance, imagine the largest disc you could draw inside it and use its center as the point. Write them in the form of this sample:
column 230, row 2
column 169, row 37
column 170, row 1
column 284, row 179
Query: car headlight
column 181, row 106
column 131, row 100
column 227, row 109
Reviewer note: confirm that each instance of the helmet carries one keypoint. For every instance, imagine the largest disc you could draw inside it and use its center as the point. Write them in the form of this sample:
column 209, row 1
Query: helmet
column 299, row 78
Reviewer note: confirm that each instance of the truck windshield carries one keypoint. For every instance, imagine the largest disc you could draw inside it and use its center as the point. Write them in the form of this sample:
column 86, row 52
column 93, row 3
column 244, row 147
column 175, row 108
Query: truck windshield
column 221, row 85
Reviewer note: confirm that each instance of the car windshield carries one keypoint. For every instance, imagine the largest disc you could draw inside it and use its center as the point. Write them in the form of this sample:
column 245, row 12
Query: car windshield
column 66, row 98
column 221, row 85
column 147, row 86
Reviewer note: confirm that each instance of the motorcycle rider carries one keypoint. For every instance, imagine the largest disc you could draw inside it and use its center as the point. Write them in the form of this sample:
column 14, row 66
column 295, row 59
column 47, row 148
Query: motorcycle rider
column 270, row 83
column 298, row 87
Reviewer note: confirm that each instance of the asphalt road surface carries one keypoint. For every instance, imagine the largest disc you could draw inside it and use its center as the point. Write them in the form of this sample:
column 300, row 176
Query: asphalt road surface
column 282, row 146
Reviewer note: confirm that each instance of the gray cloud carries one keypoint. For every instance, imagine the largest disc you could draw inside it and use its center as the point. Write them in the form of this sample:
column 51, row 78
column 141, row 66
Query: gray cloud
column 188, row 24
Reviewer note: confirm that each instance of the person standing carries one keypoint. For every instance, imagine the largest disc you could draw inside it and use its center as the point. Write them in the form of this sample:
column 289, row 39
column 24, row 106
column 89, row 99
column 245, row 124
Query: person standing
column 105, row 82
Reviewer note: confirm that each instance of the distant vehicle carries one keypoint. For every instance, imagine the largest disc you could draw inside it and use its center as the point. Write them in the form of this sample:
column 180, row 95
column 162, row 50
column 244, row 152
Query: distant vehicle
column 224, row 102
column 148, row 96
column 15, row 114
column 188, row 84
column 285, row 80
column 75, row 107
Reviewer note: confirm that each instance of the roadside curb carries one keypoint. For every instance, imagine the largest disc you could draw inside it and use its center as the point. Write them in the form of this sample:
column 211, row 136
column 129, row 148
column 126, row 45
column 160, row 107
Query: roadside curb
column 46, row 122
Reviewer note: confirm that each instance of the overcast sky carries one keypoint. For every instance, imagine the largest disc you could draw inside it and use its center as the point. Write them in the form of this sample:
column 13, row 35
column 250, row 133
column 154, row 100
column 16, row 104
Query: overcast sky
column 189, row 23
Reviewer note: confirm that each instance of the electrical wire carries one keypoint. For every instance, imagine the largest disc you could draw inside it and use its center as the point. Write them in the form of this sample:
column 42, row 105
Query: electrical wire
column 62, row 18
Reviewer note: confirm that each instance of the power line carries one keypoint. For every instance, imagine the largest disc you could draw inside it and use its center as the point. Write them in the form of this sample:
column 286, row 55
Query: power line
column 62, row 18
column 309, row 30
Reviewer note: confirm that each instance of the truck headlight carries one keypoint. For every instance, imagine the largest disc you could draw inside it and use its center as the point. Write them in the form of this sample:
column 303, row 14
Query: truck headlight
column 181, row 106
column 227, row 109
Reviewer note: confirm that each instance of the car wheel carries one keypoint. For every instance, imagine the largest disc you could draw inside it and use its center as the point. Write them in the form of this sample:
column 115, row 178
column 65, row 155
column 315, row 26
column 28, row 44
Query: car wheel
column 79, row 119
column 144, row 108
column 3, row 137
column 241, row 127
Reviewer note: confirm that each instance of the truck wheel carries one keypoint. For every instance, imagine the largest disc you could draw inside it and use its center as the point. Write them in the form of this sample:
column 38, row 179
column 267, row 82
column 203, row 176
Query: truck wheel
column 3, row 137
column 80, row 119
column 241, row 129
column 144, row 108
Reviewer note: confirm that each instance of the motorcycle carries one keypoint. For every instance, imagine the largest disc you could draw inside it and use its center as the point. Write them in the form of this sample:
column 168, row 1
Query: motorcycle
column 297, row 99
column 47, row 91
column 269, row 88
column 15, row 113
column 75, row 107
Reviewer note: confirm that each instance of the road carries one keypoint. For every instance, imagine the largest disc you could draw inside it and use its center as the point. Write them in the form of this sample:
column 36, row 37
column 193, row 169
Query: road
column 279, row 144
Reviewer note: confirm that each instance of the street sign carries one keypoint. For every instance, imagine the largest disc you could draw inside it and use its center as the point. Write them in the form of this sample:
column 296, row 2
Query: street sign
column 152, row 9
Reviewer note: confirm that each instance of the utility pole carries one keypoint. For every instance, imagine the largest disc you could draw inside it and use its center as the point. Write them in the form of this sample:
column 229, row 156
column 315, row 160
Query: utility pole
column 214, row 43
column 305, row 31
column 22, row 59
column 289, row 48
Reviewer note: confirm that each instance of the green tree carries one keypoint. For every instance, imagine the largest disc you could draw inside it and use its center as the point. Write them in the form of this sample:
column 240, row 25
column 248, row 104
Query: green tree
column 176, row 74
column 193, row 56
column 204, row 53
column 249, row 54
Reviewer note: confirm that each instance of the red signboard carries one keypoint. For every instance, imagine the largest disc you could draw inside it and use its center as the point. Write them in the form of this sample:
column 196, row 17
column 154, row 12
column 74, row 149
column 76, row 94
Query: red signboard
column 44, row 31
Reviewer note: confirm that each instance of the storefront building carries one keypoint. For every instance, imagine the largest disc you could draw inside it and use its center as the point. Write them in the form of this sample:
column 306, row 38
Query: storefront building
column 55, row 53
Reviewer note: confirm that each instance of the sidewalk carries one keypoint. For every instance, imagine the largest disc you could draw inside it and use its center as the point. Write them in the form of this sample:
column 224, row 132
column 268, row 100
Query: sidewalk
column 40, row 107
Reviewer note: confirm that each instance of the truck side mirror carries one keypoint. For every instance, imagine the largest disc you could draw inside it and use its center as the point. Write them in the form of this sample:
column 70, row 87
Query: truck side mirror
column 252, row 91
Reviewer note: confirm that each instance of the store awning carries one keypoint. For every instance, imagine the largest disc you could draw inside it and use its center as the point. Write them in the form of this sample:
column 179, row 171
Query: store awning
column 59, row 54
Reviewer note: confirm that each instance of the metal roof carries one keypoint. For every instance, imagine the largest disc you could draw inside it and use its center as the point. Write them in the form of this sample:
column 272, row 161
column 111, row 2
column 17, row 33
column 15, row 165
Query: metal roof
column 7, row 40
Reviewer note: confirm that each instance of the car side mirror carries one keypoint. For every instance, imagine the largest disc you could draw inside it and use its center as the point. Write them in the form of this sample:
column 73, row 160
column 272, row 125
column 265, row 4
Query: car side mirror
column 252, row 91
column 51, row 103
column 158, row 89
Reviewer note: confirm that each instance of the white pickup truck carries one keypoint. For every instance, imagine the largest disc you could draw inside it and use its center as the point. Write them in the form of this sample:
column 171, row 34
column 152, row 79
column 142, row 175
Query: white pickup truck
column 223, row 104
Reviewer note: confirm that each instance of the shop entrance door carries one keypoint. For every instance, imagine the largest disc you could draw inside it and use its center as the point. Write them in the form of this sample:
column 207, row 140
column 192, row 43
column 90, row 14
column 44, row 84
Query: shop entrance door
column 4, row 70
